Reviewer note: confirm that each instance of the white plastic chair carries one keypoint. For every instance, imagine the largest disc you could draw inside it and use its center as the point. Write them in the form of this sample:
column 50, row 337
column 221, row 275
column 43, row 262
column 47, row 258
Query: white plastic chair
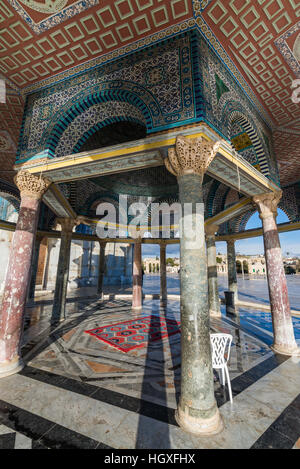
column 219, row 344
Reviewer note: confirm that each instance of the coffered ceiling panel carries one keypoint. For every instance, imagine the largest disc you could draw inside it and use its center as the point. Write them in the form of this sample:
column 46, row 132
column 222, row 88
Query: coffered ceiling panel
column 263, row 40
column 42, row 38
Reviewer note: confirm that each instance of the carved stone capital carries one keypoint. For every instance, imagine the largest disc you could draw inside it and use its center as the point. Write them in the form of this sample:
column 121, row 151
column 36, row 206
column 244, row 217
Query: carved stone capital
column 230, row 242
column 191, row 156
column 67, row 224
column 210, row 230
column 30, row 185
column 267, row 204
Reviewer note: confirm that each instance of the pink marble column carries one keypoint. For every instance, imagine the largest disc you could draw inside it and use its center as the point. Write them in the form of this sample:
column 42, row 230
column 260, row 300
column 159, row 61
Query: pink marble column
column 284, row 338
column 17, row 280
column 137, row 276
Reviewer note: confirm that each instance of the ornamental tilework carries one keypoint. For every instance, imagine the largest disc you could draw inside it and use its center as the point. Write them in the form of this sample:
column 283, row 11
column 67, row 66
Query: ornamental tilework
column 289, row 203
column 88, row 121
column 53, row 13
column 250, row 155
column 220, row 109
column 219, row 199
column 158, row 81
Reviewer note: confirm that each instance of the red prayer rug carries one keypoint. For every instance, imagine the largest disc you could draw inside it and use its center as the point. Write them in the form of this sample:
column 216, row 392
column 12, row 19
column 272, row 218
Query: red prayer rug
column 128, row 335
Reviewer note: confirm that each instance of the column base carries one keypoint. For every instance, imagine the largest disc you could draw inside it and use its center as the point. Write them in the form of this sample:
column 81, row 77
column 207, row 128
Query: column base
column 199, row 426
column 137, row 308
column 283, row 350
column 11, row 367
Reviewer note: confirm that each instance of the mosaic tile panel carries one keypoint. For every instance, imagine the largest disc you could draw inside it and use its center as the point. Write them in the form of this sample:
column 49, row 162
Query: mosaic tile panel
column 232, row 105
column 137, row 333
column 157, row 81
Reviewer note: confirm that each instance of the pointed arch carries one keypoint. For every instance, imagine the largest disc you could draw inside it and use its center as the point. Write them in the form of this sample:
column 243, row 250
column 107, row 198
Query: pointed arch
column 236, row 117
column 128, row 106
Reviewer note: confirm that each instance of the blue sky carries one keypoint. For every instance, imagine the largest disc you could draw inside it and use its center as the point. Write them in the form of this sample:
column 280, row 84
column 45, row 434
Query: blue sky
column 290, row 242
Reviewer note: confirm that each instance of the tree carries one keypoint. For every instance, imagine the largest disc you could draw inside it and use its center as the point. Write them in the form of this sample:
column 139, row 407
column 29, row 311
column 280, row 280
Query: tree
column 170, row 261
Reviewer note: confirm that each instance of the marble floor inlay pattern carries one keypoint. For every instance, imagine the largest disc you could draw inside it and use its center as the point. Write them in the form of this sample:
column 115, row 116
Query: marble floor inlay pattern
column 78, row 391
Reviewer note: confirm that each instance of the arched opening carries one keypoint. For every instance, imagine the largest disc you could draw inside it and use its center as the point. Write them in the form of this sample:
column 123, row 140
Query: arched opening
column 112, row 134
column 8, row 208
column 151, row 268
column 238, row 267
column 253, row 220
column 74, row 126
column 246, row 267
column 246, row 142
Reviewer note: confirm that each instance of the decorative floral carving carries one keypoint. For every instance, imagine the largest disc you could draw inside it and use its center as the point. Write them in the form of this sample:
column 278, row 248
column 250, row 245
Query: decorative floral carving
column 191, row 156
column 267, row 204
column 31, row 185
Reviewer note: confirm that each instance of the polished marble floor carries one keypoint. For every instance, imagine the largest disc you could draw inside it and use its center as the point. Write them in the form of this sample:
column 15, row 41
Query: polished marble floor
column 79, row 392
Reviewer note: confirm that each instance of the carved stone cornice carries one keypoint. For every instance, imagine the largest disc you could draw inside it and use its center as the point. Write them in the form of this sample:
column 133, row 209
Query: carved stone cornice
column 267, row 204
column 191, row 156
column 30, row 185
column 210, row 230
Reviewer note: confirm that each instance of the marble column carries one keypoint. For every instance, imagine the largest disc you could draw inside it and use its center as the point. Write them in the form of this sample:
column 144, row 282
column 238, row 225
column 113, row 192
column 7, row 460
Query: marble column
column 137, row 292
column 17, row 279
column 284, row 338
column 101, row 268
column 163, row 273
column 34, row 266
column 197, row 410
column 212, row 272
column 232, row 276
column 62, row 276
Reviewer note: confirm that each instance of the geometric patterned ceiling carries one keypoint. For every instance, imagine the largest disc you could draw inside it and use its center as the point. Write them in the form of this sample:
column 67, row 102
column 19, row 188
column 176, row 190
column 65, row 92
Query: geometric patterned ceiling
column 42, row 41
column 262, row 38
column 41, row 38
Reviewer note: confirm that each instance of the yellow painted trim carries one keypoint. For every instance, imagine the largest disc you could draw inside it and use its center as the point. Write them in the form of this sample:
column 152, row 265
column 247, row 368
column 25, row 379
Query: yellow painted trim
column 285, row 228
column 121, row 152
column 7, row 226
column 258, row 176
column 109, row 154
column 227, row 211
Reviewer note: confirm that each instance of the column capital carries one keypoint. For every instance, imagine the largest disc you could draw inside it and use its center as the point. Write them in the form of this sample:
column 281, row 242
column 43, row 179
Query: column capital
column 30, row 185
column 210, row 230
column 191, row 156
column 102, row 243
column 267, row 204
column 230, row 242
column 67, row 224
